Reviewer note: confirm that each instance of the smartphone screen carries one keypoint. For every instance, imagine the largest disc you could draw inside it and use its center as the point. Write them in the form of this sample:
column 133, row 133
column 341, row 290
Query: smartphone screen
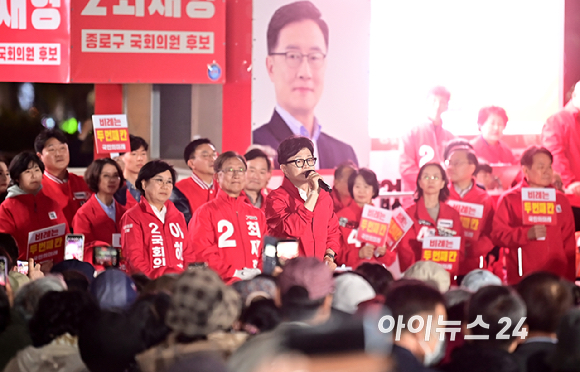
column 287, row 249
column 3, row 271
column 106, row 256
column 269, row 256
column 23, row 267
column 74, row 248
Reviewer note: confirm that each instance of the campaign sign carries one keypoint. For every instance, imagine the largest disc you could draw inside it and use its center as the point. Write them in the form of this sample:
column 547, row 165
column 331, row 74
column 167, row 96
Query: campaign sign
column 47, row 244
column 539, row 206
column 471, row 215
column 400, row 224
column 374, row 225
column 443, row 250
column 111, row 134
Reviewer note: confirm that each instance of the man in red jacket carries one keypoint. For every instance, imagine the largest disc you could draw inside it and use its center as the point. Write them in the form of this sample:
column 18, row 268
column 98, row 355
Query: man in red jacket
column 299, row 208
column 67, row 189
column 227, row 232
column 535, row 247
column 259, row 174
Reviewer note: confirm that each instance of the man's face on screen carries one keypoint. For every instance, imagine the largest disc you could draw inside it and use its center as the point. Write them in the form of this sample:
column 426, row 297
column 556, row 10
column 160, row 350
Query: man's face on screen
column 298, row 84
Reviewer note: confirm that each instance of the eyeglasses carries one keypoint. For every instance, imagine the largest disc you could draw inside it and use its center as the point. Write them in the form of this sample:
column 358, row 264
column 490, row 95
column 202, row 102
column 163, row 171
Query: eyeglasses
column 160, row 182
column 427, row 178
column 294, row 59
column 233, row 171
column 110, row 177
column 300, row 162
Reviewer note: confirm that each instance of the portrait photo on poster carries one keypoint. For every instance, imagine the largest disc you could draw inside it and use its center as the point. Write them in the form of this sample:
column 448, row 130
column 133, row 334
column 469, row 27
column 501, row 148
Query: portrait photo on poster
column 310, row 77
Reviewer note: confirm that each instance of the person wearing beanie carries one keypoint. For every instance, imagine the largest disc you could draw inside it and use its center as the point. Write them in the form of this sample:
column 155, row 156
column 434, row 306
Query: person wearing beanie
column 431, row 273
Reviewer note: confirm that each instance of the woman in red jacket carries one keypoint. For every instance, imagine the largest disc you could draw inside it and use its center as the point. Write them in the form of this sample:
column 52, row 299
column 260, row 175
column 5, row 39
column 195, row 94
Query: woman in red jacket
column 154, row 233
column 363, row 187
column 99, row 219
column 492, row 121
column 26, row 207
column 430, row 214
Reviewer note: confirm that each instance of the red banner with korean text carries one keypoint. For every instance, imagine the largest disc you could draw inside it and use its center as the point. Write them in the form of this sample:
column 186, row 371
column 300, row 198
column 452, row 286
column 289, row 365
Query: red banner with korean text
column 374, row 225
column 34, row 40
column 111, row 134
column 47, row 244
column 539, row 206
column 401, row 222
column 148, row 41
column 443, row 250
column 470, row 214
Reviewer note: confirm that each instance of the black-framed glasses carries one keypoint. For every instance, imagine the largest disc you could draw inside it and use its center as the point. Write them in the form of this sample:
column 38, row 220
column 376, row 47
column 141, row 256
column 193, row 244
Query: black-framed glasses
column 300, row 162
column 294, row 59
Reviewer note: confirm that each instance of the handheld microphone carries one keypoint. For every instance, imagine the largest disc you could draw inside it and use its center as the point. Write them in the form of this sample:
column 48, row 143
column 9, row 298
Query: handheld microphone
column 323, row 185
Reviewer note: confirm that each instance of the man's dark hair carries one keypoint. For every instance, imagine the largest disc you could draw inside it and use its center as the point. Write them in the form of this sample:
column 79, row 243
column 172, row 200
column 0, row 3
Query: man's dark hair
column 45, row 135
column 292, row 146
column 377, row 275
column 150, row 170
column 456, row 143
column 528, row 155
column 485, row 112
column 137, row 142
column 339, row 170
column 257, row 153
column 547, row 299
column 494, row 303
column 219, row 162
column 148, row 314
column 21, row 163
column 296, row 306
column 75, row 280
column 483, row 167
column 8, row 245
column 189, row 151
column 370, row 179
column 291, row 13
column 93, row 173
column 443, row 193
column 409, row 298
column 262, row 314
column 440, row 91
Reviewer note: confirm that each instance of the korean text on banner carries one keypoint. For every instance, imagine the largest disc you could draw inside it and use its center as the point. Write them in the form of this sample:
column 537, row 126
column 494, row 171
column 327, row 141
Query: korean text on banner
column 47, row 244
column 471, row 215
column 443, row 250
column 539, row 206
column 400, row 224
column 111, row 134
column 374, row 225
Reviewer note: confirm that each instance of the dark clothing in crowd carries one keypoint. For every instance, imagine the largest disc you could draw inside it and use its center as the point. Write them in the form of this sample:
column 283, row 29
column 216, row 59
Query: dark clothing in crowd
column 472, row 358
column 531, row 356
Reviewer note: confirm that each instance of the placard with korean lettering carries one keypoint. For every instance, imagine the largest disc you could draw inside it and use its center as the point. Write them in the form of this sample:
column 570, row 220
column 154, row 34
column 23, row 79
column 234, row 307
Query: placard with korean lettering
column 471, row 215
column 400, row 224
column 539, row 206
column 47, row 244
column 443, row 250
column 148, row 41
column 374, row 225
column 34, row 40
column 111, row 134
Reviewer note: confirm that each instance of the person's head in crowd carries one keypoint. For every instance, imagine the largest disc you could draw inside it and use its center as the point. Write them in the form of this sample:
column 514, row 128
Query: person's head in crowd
column 412, row 298
column 363, row 186
column 4, row 176
column 455, row 300
column 491, row 121
column 341, row 176
column 259, row 171
column 52, row 149
column 257, row 288
column 199, row 155
column 135, row 159
column 148, row 313
column 75, row 281
column 377, row 275
column 141, row 280
column 456, row 143
column 26, row 172
column 305, row 291
column 27, row 298
column 295, row 155
column 537, row 166
column 557, row 182
column 566, row 356
column 478, row 278
column 484, row 176
column 9, row 249
column 163, row 284
column 231, row 169
column 60, row 313
column 201, row 304
column 296, row 31
column 437, row 103
column 260, row 316
column 104, row 177
column 113, row 290
column 155, row 182
column 81, row 267
column 431, row 273
column 350, row 290
column 547, row 298
column 432, row 182
column 4, row 309
column 461, row 165
column 492, row 303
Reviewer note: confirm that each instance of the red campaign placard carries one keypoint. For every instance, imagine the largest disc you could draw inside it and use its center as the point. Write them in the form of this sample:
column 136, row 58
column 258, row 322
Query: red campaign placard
column 148, row 41
column 111, row 134
column 47, row 244
column 374, row 225
column 443, row 250
column 539, row 206
column 471, row 214
column 34, row 40
column 400, row 224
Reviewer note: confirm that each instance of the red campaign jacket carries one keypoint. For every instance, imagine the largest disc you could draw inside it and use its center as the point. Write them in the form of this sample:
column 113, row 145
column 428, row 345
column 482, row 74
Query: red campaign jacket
column 152, row 247
column 556, row 254
column 493, row 154
column 338, row 204
column 350, row 246
column 70, row 195
column 227, row 233
column 195, row 194
column 410, row 248
column 288, row 218
column 92, row 221
column 423, row 144
column 24, row 213
column 476, row 231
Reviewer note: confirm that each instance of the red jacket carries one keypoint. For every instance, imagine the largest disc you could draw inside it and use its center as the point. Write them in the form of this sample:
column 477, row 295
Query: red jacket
column 92, row 221
column 24, row 213
column 493, row 154
column 288, row 218
column 423, row 144
column 227, row 233
column 557, row 253
column 69, row 195
column 338, row 204
column 350, row 246
column 151, row 246
column 196, row 191
column 410, row 248
column 476, row 230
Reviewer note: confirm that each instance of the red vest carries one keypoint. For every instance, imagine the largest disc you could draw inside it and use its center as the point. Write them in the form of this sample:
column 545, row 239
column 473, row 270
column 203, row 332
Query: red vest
column 196, row 194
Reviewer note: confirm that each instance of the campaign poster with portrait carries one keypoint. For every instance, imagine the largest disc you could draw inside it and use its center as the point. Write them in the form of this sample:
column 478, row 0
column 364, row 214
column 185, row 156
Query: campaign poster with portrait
column 304, row 82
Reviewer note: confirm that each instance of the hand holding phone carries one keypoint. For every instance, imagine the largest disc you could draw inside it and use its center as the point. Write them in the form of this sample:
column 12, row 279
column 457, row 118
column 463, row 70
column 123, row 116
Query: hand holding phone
column 106, row 256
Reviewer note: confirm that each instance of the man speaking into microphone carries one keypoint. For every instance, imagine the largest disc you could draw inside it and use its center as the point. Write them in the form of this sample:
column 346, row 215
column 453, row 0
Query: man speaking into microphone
column 300, row 208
